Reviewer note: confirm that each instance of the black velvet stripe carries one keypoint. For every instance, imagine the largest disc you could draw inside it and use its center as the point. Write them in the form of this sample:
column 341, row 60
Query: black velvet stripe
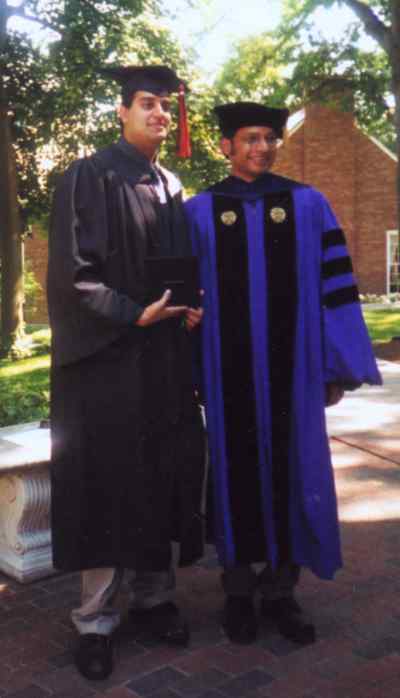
column 336, row 267
column 280, row 250
column 237, row 382
column 342, row 296
column 333, row 237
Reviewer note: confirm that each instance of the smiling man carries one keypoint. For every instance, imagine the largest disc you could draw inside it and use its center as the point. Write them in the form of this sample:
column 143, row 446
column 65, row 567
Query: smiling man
column 127, row 442
column 283, row 336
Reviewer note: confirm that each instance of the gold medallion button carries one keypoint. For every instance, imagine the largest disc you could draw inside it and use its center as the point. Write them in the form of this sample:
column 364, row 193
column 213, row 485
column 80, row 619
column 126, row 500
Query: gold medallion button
column 229, row 217
column 278, row 215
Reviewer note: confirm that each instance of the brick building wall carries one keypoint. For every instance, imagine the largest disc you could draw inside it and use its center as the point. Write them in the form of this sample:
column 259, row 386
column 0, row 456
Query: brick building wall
column 376, row 212
column 36, row 256
column 356, row 174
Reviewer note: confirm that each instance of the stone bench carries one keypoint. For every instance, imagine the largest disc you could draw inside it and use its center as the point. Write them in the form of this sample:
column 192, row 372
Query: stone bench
column 25, row 535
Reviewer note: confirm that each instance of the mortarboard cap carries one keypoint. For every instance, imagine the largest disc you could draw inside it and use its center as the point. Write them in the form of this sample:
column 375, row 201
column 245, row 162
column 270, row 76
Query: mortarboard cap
column 157, row 79
column 237, row 115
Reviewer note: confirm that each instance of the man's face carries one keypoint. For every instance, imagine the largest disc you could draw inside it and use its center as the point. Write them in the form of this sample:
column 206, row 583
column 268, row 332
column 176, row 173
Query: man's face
column 252, row 151
column 147, row 121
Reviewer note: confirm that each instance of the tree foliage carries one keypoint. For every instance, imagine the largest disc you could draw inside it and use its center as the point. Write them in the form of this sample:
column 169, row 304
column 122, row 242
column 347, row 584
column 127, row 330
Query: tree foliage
column 279, row 68
column 255, row 71
column 52, row 92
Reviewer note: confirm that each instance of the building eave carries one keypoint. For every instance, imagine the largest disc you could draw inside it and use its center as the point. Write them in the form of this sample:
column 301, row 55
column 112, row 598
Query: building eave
column 297, row 119
column 380, row 145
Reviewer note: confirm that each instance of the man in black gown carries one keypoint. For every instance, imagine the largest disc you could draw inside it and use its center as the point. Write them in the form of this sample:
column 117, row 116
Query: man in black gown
column 127, row 438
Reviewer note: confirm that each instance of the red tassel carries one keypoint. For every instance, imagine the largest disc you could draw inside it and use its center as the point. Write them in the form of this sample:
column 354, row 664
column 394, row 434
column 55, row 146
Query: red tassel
column 184, row 149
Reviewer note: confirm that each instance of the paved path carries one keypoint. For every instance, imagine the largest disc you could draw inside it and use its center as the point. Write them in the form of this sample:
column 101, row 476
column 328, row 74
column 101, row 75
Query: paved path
column 357, row 654
column 369, row 418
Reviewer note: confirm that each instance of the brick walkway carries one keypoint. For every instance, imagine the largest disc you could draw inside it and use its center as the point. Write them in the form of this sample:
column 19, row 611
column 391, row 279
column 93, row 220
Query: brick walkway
column 357, row 616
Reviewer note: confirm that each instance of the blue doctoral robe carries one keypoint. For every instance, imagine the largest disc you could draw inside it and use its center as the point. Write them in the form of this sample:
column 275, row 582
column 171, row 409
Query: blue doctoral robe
column 282, row 319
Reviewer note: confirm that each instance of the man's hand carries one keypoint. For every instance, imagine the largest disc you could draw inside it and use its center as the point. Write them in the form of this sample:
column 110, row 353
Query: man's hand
column 160, row 310
column 193, row 317
column 333, row 394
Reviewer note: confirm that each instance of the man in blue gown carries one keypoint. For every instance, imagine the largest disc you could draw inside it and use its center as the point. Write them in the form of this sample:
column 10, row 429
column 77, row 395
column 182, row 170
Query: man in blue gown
column 283, row 337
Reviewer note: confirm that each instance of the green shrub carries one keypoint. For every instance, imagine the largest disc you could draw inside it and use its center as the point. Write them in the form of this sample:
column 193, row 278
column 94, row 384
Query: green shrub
column 382, row 323
column 31, row 288
column 385, row 299
column 24, row 390
column 41, row 340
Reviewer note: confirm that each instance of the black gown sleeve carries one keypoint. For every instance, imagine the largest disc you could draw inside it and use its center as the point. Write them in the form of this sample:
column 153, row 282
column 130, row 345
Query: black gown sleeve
column 91, row 245
column 86, row 313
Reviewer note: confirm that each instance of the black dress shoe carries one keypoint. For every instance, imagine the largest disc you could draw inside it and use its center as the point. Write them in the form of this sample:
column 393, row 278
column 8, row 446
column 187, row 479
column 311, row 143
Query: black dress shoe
column 289, row 620
column 239, row 619
column 162, row 622
column 94, row 656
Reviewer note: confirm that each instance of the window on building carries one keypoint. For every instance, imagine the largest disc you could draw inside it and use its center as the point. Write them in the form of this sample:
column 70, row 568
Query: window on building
column 393, row 257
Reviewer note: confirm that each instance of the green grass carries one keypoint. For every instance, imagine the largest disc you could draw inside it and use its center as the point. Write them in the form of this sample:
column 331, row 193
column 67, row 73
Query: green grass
column 382, row 323
column 24, row 385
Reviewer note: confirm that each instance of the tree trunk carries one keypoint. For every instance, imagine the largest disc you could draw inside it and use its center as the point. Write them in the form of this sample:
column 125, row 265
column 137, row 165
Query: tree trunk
column 12, row 292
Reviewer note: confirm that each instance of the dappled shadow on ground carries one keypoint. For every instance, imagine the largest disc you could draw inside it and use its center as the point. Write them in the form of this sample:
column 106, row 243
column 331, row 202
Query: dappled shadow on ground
column 369, row 418
column 368, row 486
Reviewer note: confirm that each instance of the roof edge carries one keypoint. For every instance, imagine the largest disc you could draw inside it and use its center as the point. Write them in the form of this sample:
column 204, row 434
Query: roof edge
column 298, row 117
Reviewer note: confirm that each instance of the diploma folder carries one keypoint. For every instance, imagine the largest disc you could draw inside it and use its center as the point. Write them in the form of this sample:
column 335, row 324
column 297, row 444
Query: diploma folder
column 179, row 274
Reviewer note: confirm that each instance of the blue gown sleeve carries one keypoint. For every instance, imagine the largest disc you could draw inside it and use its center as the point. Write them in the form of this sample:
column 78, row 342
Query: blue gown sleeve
column 349, row 359
column 190, row 213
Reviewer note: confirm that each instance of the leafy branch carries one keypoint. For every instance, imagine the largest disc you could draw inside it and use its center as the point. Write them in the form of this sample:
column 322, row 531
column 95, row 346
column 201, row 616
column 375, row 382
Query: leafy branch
column 298, row 13
column 372, row 24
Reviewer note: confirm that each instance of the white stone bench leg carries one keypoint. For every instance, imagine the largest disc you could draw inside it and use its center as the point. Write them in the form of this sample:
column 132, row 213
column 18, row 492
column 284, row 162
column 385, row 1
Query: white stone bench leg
column 25, row 535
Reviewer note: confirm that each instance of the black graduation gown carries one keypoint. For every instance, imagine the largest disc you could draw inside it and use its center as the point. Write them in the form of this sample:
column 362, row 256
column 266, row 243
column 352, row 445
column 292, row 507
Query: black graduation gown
column 127, row 439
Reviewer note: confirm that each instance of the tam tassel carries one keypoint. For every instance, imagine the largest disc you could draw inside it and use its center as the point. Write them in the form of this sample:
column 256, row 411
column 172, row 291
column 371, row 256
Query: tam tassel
column 184, row 149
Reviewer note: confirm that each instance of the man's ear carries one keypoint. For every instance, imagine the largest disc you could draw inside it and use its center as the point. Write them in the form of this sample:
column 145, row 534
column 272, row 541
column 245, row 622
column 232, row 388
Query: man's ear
column 122, row 113
column 226, row 146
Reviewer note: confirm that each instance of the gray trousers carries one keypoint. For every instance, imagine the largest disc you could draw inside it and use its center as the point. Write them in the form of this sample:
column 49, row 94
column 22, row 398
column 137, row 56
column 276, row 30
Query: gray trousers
column 243, row 580
column 100, row 587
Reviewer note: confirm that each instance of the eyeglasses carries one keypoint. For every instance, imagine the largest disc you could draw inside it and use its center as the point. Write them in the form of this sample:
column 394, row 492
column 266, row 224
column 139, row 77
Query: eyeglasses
column 270, row 141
